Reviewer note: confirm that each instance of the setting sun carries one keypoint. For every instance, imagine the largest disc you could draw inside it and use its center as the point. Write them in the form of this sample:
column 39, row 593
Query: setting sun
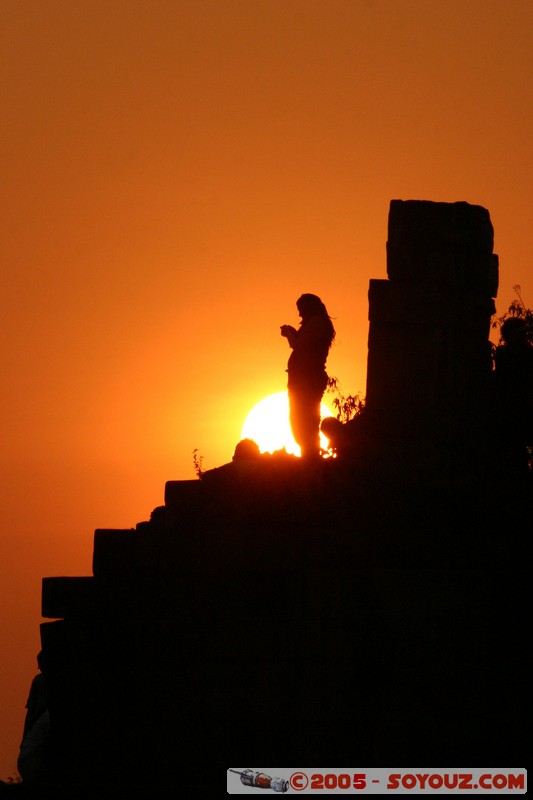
column 268, row 425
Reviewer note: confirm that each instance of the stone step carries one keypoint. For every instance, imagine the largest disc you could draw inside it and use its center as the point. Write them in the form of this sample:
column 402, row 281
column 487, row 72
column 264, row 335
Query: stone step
column 67, row 597
column 183, row 496
column 114, row 552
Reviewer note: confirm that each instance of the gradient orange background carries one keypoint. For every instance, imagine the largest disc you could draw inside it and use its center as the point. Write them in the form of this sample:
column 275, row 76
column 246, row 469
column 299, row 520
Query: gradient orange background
column 175, row 174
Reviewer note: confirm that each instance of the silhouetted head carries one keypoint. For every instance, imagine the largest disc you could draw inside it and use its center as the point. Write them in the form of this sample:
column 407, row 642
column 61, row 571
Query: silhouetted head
column 513, row 330
column 310, row 305
column 246, row 449
column 332, row 429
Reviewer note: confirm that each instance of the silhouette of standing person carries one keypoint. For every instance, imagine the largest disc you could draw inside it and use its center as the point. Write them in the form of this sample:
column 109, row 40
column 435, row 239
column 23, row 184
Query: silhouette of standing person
column 307, row 371
column 513, row 361
column 33, row 761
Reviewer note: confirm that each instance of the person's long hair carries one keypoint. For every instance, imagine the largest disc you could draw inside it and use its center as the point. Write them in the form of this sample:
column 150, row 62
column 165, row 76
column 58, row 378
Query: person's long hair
column 310, row 305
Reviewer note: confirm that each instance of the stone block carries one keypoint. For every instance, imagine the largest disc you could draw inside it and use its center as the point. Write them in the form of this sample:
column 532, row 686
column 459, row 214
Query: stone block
column 67, row 597
column 428, row 373
column 442, row 243
column 114, row 553
column 183, row 496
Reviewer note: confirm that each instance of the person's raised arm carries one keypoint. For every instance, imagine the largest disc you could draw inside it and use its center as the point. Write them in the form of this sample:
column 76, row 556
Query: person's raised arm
column 290, row 333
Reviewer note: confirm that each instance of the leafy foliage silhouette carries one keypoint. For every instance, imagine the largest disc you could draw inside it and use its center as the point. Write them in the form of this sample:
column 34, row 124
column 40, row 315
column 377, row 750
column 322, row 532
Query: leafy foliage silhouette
column 348, row 406
column 198, row 464
column 517, row 310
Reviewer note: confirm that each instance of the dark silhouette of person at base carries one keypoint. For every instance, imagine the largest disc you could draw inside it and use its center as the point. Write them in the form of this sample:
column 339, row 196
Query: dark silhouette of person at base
column 513, row 361
column 307, row 371
column 34, row 763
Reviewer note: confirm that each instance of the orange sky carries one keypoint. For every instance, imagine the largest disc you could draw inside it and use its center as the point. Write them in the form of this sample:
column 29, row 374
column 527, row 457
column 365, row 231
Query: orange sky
column 175, row 174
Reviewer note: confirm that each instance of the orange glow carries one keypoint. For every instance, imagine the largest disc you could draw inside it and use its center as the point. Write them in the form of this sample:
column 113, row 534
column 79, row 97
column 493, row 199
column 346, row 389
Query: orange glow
column 175, row 175
column 268, row 425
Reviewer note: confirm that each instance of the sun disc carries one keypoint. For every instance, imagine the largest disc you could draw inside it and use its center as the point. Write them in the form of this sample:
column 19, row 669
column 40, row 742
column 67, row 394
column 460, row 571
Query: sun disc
column 268, row 425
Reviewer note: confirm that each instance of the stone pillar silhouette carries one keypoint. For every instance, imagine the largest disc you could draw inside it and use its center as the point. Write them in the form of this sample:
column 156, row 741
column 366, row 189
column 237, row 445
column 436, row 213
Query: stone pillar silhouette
column 429, row 358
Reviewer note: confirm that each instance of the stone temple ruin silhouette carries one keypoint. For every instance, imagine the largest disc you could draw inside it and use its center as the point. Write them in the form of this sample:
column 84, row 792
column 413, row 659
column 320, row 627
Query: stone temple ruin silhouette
column 370, row 610
column 429, row 356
